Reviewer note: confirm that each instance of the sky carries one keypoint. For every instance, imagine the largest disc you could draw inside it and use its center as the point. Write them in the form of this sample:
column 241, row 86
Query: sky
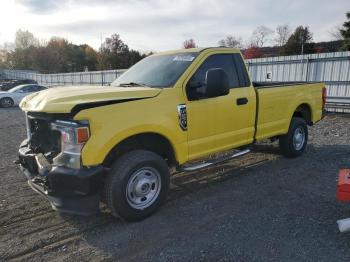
column 157, row 25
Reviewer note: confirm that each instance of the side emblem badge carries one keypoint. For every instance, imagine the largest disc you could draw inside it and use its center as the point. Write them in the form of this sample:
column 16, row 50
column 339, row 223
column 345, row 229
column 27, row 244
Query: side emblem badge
column 182, row 115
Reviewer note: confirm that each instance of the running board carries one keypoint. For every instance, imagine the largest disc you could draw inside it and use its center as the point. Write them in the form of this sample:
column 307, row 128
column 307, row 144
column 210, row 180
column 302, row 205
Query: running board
column 213, row 162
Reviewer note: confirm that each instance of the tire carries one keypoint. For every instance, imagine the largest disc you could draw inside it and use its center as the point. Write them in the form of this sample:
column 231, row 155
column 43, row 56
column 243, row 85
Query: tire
column 293, row 144
column 137, row 185
column 6, row 102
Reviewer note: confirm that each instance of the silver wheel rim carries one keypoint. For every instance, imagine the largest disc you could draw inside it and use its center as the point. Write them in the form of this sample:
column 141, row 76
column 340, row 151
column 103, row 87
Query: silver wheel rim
column 143, row 188
column 299, row 138
column 6, row 102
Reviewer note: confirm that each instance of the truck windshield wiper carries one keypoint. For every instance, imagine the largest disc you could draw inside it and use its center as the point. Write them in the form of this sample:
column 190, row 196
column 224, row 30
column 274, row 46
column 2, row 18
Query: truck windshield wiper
column 132, row 84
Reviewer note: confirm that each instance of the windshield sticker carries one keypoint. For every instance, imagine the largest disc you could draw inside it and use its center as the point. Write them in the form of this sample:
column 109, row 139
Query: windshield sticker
column 184, row 58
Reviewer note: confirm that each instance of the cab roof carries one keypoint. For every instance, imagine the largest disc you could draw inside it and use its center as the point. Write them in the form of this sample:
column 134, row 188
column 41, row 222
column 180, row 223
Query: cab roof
column 197, row 50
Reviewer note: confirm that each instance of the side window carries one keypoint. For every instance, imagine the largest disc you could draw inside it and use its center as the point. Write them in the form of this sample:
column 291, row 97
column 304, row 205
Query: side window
column 36, row 88
column 27, row 89
column 196, row 86
column 241, row 70
column 39, row 88
column 30, row 88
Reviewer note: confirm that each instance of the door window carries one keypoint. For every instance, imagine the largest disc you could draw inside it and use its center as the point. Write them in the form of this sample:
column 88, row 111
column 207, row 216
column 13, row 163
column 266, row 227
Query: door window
column 28, row 89
column 39, row 88
column 241, row 70
column 196, row 85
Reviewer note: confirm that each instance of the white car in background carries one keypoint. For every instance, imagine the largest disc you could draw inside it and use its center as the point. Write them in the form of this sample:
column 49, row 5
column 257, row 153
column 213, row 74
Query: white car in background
column 16, row 94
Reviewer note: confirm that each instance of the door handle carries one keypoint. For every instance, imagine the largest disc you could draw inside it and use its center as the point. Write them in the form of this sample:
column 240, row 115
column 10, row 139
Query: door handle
column 242, row 101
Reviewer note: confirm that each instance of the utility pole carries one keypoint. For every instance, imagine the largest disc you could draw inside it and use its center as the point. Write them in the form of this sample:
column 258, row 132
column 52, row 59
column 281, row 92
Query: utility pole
column 302, row 41
column 102, row 62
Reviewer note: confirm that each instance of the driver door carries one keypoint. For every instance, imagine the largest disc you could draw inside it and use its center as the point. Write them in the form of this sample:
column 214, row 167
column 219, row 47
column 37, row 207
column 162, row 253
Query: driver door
column 218, row 123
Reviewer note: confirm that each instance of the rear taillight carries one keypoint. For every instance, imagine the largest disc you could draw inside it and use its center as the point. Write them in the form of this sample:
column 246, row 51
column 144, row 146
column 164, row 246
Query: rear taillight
column 324, row 97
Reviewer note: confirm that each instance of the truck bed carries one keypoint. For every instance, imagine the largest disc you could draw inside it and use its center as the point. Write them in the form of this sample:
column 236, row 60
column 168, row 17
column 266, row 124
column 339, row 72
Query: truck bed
column 277, row 101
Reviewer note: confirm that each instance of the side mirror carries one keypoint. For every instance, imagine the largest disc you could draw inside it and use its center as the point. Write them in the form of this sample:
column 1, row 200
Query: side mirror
column 195, row 89
column 217, row 83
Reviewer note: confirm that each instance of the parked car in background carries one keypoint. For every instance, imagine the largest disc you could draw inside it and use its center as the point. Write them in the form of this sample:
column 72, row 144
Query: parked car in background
column 8, row 84
column 16, row 94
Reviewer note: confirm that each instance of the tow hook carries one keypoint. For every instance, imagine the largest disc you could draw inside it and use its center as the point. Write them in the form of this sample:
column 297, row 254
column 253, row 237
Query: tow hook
column 43, row 165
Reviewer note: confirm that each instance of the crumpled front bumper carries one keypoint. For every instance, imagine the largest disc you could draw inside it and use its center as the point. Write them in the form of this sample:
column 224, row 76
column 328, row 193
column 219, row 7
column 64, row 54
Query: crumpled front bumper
column 75, row 191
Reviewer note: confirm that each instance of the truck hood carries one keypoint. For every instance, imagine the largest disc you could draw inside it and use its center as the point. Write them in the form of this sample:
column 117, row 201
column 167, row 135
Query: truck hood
column 64, row 99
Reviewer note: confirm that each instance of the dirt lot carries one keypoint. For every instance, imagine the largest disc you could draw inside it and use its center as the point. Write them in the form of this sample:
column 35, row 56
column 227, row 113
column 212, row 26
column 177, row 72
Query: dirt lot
column 261, row 207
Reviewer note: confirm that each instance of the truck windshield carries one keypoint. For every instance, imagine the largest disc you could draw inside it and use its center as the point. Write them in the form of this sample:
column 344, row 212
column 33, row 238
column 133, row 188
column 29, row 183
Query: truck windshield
column 156, row 71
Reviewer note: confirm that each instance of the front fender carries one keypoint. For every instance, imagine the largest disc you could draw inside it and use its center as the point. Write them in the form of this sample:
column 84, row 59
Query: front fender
column 97, row 148
column 112, row 124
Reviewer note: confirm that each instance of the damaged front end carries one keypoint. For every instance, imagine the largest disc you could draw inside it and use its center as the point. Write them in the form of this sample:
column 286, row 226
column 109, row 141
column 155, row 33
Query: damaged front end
column 50, row 158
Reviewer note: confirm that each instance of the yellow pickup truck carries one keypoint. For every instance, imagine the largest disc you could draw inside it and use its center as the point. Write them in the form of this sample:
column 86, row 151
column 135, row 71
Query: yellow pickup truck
column 119, row 144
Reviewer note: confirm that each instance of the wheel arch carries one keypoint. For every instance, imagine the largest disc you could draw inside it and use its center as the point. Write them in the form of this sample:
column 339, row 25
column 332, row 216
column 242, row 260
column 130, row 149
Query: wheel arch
column 151, row 141
column 304, row 111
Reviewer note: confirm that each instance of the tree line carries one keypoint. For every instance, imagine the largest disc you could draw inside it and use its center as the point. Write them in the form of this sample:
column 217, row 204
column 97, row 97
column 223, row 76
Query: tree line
column 59, row 55
column 284, row 41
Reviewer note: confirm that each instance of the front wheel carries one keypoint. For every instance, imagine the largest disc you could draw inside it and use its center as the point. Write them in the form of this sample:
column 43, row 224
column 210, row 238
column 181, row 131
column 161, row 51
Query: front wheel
column 137, row 185
column 293, row 143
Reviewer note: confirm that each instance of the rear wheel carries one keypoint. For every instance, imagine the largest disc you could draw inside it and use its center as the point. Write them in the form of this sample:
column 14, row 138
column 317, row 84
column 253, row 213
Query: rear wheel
column 6, row 102
column 293, row 144
column 137, row 185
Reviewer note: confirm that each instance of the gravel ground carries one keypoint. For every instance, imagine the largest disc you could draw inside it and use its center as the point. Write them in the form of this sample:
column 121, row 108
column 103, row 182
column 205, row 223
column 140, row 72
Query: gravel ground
column 261, row 207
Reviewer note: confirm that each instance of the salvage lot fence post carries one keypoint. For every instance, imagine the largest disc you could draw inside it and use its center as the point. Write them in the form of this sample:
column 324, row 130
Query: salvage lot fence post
column 331, row 68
